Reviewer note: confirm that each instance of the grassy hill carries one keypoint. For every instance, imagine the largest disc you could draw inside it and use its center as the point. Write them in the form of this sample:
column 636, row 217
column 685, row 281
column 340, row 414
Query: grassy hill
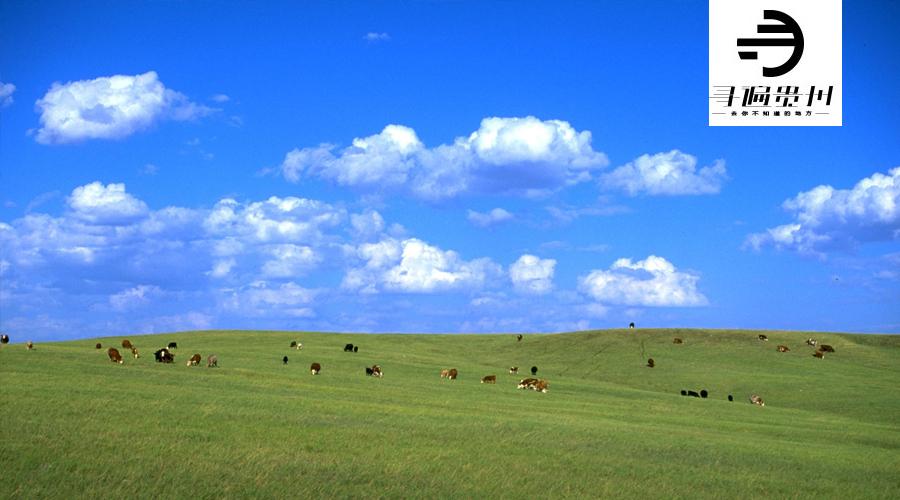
column 76, row 425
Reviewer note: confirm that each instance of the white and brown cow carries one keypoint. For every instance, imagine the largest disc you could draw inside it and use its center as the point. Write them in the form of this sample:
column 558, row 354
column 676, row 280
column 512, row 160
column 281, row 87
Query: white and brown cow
column 489, row 379
column 114, row 355
column 783, row 348
column 195, row 360
column 315, row 368
column 755, row 399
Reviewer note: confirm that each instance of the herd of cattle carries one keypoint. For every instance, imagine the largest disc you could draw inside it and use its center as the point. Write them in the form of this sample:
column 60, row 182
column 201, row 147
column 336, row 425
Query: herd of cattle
column 166, row 355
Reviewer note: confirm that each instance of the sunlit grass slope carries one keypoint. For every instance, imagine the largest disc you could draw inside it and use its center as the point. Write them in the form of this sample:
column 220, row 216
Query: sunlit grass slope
column 76, row 425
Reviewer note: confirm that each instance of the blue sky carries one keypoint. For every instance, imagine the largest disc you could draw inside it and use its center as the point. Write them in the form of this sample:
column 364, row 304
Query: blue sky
column 428, row 167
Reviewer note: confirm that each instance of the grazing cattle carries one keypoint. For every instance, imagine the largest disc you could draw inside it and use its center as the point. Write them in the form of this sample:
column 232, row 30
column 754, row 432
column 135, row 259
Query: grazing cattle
column 99, row 345
column 4, row 339
column 134, row 352
column 452, row 374
column 29, row 345
column 651, row 363
column 376, row 371
column 513, row 370
column 677, row 340
column 541, row 386
column 526, row 383
column 783, row 348
column 164, row 356
column 114, row 355
column 693, row 393
column 811, row 341
column 519, row 337
column 755, row 399
column 369, row 371
column 293, row 344
column 730, row 398
column 703, row 393
column 826, row 348
column 173, row 345
column 348, row 348
column 763, row 338
column 683, row 392
column 490, row 379
column 819, row 354
column 356, row 348
column 315, row 368
column 534, row 370
column 212, row 361
column 195, row 360
column 126, row 344
column 284, row 360
column 445, row 374
column 631, row 326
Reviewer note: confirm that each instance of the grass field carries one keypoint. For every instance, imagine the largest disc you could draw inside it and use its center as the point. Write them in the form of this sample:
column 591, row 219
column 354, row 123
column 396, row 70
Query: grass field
column 76, row 425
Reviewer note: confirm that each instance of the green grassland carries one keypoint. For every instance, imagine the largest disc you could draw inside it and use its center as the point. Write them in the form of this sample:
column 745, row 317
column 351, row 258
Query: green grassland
column 75, row 425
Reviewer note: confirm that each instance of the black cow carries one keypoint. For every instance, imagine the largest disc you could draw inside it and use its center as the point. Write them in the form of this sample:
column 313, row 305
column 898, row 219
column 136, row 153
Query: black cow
column 519, row 337
column 4, row 339
column 826, row 348
column 683, row 392
column 704, row 394
column 348, row 348
column 730, row 398
column 356, row 348
column 651, row 363
column 631, row 325
column 693, row 393
column 534, row 370
column 284, row 360
column 293, row 343
column 164, row 356
column 99, row 345
column 369, row 371
column 173, row 345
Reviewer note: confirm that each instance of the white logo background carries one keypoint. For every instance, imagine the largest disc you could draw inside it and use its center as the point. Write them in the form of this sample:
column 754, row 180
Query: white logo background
column 820, row 66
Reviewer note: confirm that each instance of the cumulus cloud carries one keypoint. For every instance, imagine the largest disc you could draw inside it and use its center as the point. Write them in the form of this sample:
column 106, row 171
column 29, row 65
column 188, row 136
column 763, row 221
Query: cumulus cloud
column 367, row 224
column 490, row 218
column 531, row 274
column 289, row 260
column 414, row 266
column 6, row 92
column 289, row 219
column 672, row 173
column 110, row 107
column 262, row 298
column 524, row 156
column 133, row 297
column 827, row 218
column 109, row 204
column 652, row 282
column 376, row 37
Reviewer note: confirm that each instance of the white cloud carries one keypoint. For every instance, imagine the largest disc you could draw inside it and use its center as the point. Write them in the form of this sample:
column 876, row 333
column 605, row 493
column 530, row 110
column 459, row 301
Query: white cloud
column 652, row 282
column 289, row 261
column 134, row 297
column 288, row 220
column 222, row 268
column 524, row 156
column 109, row 107
column 6, row 92
column 486, row 219
column 376, row 37
column 220, row 98
column 531, row 274
column 367, row 224
column 672, row 173
column 826, row 218
column 109, row 204
column 414, row 266
column 260, row 299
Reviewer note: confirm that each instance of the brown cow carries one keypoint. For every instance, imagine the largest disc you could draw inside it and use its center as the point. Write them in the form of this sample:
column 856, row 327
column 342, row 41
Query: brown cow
column 513, row 370
column 212, row 361
column 527, row 383
column 490, row 379
column 29, row 345
column 677, row 340
column 826, row 348
column 195, row 360
column 114, row 355
column 126, row 344
column 445, row 373
column 651, row 363
column 99, row 345
column 763, row 338
column 819, row 354
column 541, row 386
column 452, row 374
column 783, row 348
column 755, row 399
column 376, row 371
column 315, row 368
column 134, row 352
